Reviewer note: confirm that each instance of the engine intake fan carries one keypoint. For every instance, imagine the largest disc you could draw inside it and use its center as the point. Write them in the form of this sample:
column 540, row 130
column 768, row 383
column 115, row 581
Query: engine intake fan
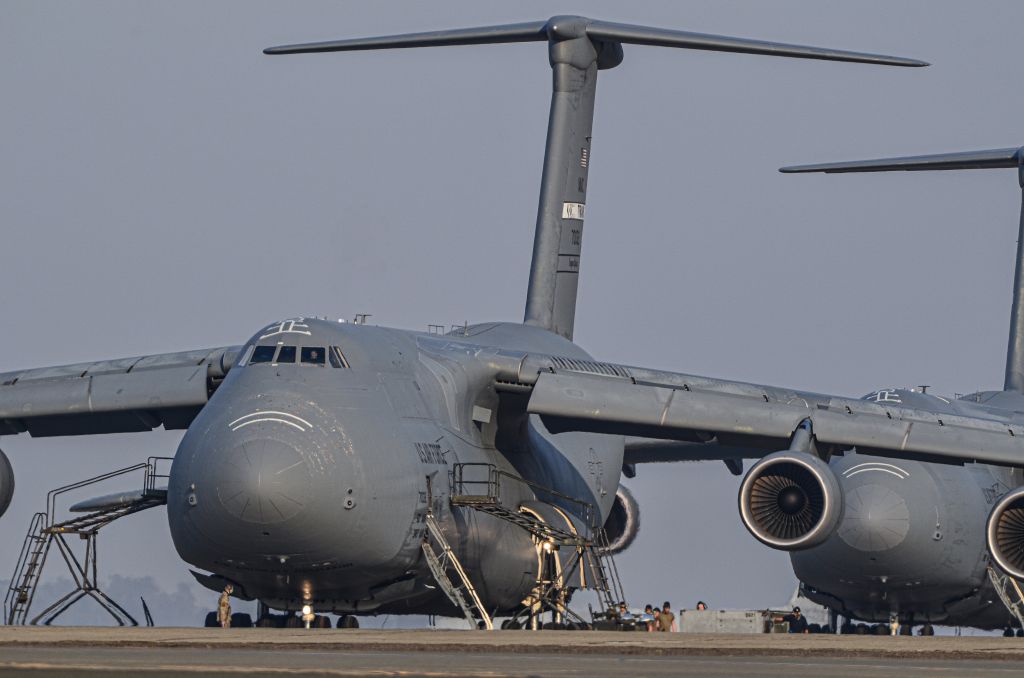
column 1005, row 533
column 791, row 501
column 623, row 522
column 6, row 482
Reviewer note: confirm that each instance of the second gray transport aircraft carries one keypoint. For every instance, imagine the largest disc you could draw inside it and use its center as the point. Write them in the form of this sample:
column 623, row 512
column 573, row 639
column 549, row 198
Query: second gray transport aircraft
column 317, row 453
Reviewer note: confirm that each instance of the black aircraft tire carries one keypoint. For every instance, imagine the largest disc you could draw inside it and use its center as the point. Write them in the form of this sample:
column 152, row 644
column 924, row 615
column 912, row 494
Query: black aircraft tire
column 347, row 621
column 927, row 630
column 241, row 620
column 293, row 622
column 211, row 620
column 321, row 621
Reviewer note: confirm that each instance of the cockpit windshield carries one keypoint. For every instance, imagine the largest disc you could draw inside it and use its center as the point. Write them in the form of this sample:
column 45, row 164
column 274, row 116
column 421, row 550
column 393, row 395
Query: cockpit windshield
column 316, row 356
column 263, row 354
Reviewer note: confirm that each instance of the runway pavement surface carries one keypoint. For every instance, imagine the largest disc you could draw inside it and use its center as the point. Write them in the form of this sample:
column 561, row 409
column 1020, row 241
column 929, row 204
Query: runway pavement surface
column 44, row 652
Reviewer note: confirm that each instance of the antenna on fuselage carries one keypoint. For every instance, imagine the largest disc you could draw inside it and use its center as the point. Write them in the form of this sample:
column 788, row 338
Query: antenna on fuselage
column 577, row 49
column 991, row 159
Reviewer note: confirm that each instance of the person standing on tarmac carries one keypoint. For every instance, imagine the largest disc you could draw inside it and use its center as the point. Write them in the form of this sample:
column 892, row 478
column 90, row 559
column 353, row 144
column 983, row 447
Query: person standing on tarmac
column 797, row 622
column 667, row 620
column 224, row 607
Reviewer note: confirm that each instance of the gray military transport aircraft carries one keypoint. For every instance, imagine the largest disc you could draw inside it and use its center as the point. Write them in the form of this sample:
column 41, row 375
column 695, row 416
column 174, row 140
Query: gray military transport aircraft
column 908, row 539
column 322, row 459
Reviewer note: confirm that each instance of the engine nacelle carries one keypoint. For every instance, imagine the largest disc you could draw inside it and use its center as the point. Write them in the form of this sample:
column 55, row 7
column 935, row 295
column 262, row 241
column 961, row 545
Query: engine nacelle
column 1005, row 533
column 6, row 482
column 791, row 501
column 623, row 522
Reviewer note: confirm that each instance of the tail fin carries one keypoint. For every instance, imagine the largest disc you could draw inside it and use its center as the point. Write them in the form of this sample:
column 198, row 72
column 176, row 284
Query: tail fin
column 577, row 48
column 991, row 159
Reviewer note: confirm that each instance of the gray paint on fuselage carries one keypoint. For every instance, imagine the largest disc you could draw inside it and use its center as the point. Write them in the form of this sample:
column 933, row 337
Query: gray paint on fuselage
column 280, row 465
column 912, row 537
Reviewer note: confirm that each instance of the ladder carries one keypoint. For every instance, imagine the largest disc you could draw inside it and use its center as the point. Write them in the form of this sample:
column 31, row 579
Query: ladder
column 471, row 608
column 45, row 530
column 605, row 573
column 1010, row 593
column 26, row 572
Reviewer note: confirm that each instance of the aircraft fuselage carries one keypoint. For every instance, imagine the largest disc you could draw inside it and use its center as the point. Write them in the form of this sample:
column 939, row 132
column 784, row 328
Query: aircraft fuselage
column 304, row 482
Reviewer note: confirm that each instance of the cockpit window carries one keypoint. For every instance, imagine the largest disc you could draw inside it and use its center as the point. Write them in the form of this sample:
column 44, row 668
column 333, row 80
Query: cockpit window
column 286, row 355
column 263, row 354
column 313, row 355
column 337, row 357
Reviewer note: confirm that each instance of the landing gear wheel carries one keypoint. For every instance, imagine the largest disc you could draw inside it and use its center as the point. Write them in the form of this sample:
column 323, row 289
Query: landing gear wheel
column 321, row 621
column 1008, row 632
column 292, row 621
column 211, row 620
column 906, row 630
column 347, row 621
column 880, row 630
column 241, row 620
column 927, row 630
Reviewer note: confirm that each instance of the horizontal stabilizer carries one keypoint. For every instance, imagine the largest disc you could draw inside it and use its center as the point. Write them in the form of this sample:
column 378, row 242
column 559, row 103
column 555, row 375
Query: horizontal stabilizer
column 991, row 159
column 527, row 32
column 567, row 27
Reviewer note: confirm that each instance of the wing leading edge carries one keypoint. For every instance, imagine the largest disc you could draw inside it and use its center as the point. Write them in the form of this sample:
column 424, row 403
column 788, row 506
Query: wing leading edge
column 631, row 401
column 112, row 396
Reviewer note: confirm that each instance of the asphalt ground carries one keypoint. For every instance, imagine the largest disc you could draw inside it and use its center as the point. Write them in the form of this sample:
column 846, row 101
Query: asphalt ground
column 161, row 652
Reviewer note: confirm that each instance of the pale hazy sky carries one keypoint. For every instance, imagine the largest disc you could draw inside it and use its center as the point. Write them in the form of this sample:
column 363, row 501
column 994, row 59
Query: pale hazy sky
column 165, row 186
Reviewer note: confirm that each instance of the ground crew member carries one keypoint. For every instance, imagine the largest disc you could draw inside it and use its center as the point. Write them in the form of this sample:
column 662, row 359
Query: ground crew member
column 797, row 622
column 224, row 607
column 667, row 620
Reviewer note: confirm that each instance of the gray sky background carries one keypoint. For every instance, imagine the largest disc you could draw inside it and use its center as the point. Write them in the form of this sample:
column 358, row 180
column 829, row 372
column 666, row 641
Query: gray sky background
column 165, row 186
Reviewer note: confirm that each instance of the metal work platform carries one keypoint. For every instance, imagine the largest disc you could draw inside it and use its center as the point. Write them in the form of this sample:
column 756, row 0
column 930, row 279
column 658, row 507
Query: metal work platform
column 588, row 565
column 1009, row 592
column 45, row 531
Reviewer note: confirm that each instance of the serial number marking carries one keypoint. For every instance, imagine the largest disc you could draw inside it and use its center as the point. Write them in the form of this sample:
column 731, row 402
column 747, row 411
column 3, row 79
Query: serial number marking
column 431, row 453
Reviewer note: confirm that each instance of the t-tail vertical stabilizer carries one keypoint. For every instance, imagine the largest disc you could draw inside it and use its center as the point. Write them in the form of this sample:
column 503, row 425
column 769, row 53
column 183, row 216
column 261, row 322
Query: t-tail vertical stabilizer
column 990, row 159
column 577, row 49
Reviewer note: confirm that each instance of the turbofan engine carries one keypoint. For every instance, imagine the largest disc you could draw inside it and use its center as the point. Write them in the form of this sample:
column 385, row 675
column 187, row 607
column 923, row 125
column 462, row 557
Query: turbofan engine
column 6, row 482
column 623, row 522
column 1005, row 533
column 791, row 500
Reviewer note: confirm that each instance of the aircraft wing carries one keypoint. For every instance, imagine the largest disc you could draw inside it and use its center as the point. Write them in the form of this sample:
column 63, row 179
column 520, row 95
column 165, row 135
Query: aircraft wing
column 112, row 396
column 728, row 418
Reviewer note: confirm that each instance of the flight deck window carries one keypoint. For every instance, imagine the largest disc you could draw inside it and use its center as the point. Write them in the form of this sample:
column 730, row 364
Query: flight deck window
column 287, row 354
column 263, row 354
column 313, row 355
column 337, row 357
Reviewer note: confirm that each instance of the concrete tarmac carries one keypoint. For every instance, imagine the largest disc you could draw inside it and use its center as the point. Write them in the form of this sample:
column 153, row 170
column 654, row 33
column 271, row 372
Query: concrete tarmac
column 161, row 652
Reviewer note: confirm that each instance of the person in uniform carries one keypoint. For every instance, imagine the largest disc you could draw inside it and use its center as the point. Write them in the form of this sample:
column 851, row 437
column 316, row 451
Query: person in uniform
column 667, row 619
column 224, row 607
column 797, row 622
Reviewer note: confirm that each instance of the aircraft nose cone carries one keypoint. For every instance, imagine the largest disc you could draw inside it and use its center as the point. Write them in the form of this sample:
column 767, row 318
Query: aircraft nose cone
column 876, row 518
column 263, row 481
